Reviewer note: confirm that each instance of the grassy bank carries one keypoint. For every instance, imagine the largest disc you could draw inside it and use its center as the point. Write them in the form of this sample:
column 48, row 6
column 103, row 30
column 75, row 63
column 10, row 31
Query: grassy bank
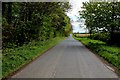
column 13, row 59
column 108, row 52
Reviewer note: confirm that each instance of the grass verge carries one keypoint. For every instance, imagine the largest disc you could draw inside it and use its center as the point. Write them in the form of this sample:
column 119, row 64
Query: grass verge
column 109, row 53
column 13, row 59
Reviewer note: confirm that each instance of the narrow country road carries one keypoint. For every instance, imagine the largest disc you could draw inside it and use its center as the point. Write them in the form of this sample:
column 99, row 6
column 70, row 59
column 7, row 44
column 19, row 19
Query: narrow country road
column 68, row 59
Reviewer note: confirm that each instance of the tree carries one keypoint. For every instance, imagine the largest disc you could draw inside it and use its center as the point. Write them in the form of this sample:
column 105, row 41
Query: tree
column 103, row 16
column 27, row 21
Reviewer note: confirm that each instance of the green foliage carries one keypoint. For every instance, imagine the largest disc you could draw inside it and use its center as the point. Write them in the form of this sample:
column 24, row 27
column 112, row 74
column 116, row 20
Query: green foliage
column 101, row 36
column 106, row 37
column 102, row 17
column 14, row 58
column 110, row 53
column 33, row 21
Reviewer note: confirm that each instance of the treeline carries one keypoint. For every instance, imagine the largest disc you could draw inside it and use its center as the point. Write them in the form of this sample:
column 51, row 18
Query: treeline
column 26, row 21
column 103, row 20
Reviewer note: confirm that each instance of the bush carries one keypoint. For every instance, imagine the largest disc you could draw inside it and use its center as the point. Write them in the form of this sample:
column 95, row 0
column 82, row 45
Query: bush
column 101, row 36
column 106, row 37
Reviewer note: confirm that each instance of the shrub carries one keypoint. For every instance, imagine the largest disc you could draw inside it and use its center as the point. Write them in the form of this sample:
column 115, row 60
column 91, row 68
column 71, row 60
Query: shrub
column 101, row 36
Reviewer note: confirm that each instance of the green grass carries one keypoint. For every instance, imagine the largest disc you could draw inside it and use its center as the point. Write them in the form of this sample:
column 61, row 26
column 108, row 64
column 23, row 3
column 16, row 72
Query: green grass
column 13, row 59
column 108, row 52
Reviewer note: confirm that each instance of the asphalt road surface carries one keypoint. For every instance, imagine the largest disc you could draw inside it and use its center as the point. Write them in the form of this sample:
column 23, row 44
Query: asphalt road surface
column 68, row 59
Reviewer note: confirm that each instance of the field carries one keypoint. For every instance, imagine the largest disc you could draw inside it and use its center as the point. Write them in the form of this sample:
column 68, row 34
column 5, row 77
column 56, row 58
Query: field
column 82, row 35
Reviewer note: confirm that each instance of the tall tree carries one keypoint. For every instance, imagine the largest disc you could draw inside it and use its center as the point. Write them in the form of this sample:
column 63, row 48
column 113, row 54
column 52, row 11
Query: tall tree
column 102, row 16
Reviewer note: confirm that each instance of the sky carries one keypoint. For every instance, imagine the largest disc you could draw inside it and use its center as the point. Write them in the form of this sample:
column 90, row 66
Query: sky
column 73, row 14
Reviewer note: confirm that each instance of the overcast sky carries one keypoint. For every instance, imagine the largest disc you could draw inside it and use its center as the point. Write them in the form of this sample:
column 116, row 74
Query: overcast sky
column 74, row 14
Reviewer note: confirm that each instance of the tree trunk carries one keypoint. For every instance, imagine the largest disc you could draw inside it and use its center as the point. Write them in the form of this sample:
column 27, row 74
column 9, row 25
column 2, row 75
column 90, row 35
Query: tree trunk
column 112, row 26
column 3, row 9
column 9, row 13
column 29, row 14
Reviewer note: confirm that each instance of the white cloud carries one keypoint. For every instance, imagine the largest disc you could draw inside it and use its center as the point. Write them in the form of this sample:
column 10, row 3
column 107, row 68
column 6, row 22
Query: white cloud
column 76, row 6
column 73, row 14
